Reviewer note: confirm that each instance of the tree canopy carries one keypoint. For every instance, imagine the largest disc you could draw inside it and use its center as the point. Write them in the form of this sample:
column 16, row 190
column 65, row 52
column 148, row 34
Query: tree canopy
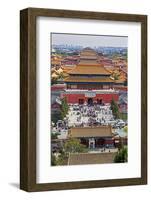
column 115, row 109
column 64, row 108
column 73, row 145
column 121, row 156
column 126, row 129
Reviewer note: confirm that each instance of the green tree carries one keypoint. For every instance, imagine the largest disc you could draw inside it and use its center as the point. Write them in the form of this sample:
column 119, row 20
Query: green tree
column 115, row 109
column 53, row 160
column 62, row 159
column 61, row 76
column 126, row 129
column 121, row 156
column 116, row 76
column 64, row 108
column 54, row 135
column 73, row 145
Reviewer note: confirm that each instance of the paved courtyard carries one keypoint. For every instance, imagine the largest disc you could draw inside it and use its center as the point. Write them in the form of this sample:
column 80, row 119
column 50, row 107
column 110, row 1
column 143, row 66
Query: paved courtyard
column 85, row 115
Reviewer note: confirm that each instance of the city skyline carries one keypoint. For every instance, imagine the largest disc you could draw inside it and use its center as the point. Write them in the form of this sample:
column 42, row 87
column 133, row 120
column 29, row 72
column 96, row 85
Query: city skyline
column 89, row 40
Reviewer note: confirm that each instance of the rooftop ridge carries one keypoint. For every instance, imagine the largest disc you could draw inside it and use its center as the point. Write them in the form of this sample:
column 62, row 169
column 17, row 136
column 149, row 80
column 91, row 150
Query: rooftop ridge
column 92, row 127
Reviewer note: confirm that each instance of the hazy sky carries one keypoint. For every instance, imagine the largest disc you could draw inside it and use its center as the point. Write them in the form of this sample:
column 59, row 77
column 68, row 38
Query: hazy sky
column 89, row 40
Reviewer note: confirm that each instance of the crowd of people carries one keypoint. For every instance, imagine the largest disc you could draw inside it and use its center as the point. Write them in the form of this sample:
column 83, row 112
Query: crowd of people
column 85, row 115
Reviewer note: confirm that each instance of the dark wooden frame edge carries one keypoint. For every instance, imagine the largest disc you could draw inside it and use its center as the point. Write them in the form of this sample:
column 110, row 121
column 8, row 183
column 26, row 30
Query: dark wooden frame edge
column 28, row 99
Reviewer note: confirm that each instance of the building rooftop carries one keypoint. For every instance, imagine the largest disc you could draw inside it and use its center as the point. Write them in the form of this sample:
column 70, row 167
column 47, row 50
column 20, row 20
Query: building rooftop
column 120, row 81
column 87, row 61
column 88, row 51
column 90, row 69
column 89, row 79
column 67, row 68
column 55, row 62
column 80, row 132
column 90, row 158
column 88, row 56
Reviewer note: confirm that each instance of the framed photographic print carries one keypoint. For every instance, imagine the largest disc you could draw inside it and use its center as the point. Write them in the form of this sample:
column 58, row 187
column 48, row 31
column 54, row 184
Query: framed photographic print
column 83, row 99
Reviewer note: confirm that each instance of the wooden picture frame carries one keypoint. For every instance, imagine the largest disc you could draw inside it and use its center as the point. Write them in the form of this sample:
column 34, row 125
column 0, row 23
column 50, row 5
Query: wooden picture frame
column 28, row 99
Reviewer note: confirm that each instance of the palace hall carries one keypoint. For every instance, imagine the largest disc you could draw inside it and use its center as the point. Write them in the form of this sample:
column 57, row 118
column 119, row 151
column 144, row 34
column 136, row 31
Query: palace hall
column 89, row 82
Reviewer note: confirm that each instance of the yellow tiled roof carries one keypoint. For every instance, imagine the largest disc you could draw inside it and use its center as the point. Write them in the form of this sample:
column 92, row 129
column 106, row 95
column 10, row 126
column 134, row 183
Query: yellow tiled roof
column 101, row 131
column 120, row 81
column 89, row 69
column 92, row 79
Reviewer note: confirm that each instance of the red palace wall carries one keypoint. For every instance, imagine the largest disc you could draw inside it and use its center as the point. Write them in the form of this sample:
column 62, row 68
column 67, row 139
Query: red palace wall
column 106, row 98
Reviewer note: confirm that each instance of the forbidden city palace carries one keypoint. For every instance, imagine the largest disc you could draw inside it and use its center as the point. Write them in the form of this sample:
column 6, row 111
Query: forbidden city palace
column 84, row 127
column 89, row 82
